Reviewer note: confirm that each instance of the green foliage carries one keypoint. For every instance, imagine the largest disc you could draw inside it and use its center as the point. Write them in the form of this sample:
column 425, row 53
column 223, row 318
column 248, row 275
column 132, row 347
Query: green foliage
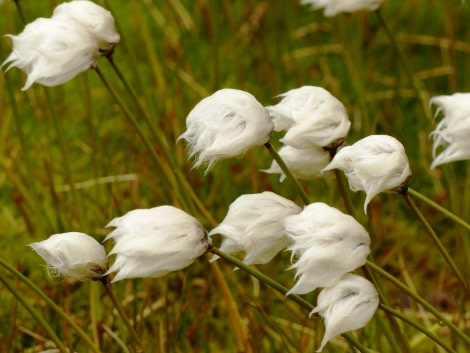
column 93, row 166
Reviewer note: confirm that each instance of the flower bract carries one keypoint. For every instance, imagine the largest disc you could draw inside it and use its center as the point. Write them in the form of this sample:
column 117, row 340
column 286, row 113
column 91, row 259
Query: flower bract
column 254, row 225
column 52, row 51
column 225, row 124
column 312, row 117
column 95, row 19
column 347, row 305
column 153, row 242
column 453, row 130
column 374, row 164
column 73, row 255
column 327, row 244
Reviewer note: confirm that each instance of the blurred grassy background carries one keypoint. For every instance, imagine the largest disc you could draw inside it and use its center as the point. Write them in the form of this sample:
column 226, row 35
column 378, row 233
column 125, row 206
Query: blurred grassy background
column 174, row 53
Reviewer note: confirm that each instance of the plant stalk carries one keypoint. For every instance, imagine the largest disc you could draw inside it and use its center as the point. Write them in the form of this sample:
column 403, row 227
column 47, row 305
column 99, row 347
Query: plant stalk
column 122, row 314
column 285, row 169
column 53, row 305
column 34, row 313
column 434, row 238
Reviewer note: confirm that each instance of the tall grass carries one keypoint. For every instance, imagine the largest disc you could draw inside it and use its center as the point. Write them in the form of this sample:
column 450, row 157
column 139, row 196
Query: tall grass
column 71, row 159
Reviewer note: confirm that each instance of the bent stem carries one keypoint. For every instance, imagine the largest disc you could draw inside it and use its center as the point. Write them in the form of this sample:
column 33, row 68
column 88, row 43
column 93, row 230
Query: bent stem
column 418, row 327
column 280, row 288
column 419, row 300
column 393, row 331
column 439, row 208
column 164, row 168
column 285, row 169
column 122, row 314
column 417, row 85
column 34, row 313
column 434, row 238
column 53, row 305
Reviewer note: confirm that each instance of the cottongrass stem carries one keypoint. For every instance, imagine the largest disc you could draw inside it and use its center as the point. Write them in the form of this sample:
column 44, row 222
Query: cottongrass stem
column 300, row 190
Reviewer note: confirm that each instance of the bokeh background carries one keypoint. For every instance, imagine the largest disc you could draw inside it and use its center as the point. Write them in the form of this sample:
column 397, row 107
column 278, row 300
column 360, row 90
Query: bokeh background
column 70, row 160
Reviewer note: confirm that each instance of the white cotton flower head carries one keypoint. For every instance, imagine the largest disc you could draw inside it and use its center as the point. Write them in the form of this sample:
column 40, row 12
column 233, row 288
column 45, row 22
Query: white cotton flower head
column 333, row 7
column 306, row 163
column 374, row 164
column 92, row 17
column 52, row 52
column 73, row 255
column 225, row 124
column 312, row 117
column 453, row 131
column 153, row 242
column 327, row 244
column 254, row 225
column 347, row 305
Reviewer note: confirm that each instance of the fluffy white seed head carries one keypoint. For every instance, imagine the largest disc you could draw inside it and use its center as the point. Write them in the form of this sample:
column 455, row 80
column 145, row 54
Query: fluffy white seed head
column 347, row 305
column 254, row 225
column 73, row 255
column 226, row 124
column 326, row 243
column 333, row 7
column 374, row 164
column 312, row 117
column 153, row 242
column 306, row 163
column 451, row 133
column 92, row 17
column 52, row 52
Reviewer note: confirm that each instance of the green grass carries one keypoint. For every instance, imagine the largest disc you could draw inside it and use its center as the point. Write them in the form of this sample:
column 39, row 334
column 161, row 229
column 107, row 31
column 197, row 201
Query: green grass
column 174, row 53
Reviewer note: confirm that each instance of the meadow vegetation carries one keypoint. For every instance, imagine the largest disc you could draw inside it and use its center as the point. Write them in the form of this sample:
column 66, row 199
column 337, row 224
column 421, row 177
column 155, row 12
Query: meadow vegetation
column 72, row 159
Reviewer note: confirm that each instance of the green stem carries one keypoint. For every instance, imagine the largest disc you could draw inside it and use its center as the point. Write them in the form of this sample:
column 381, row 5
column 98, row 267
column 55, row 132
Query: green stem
column 263, row 278
column 417, row 85
column 53, row 305
column 344, row 193
column 423, row 330
column 65, row 158
column 122, row 314
column 285, row 169
column 34, row 313
column 163, row 143
column 173, row 171
column 280, row 288
column 419, row 300
column 392, row 331
column 20, row 11
column 162, row 166
column 34, row 194
column 439, row 208
column 434, row 238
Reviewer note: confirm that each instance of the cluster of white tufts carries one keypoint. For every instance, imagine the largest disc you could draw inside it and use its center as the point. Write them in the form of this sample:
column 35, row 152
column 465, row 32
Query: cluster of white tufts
column 51, row 51
column 148, row 243
column 326, row 245
column 315, row 123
